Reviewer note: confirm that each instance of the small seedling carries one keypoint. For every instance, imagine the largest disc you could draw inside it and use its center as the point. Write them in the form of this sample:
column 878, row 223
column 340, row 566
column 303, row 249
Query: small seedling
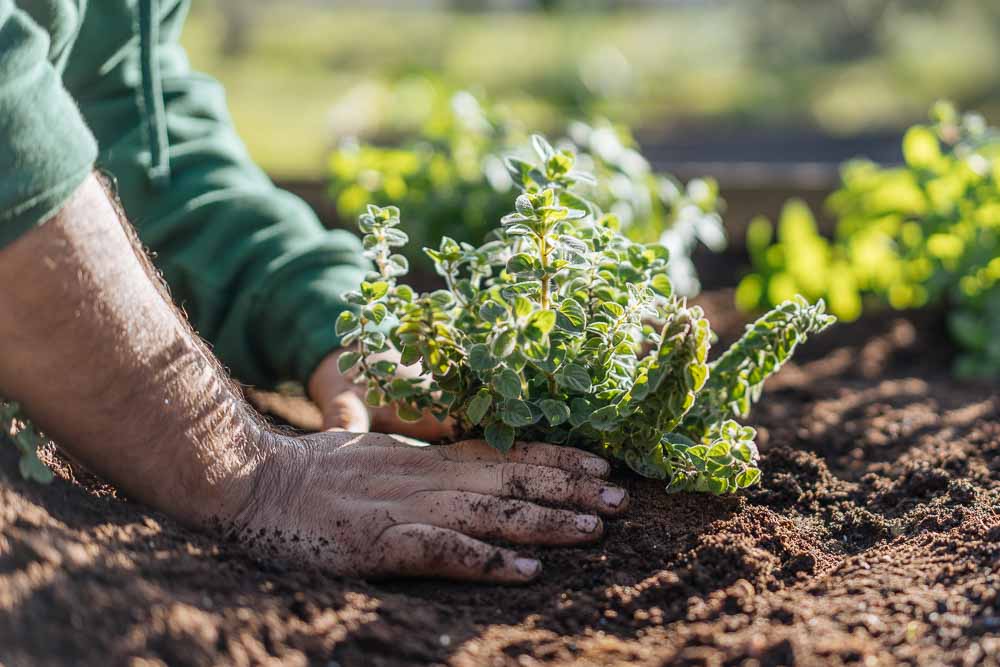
column 16, row 428
column 561, row 329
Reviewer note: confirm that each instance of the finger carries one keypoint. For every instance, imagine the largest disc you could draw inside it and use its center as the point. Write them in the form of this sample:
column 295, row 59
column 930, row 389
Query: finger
column 419, row 550
column 518, row 521
column 555, row 456
column 346, row 412
column 537, row 483
column 533, row 453
column 428, row 428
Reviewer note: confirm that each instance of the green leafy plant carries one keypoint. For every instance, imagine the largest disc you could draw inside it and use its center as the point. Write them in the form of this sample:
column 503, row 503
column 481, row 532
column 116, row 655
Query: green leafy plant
column 923, row 234
column 452, row 181
column 559, row 328
column 15, row 428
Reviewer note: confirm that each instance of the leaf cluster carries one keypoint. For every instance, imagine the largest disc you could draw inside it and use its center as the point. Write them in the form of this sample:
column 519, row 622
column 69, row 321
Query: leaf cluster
column 560, row 328
column 452, row 180
column 18, row 431
column 926, row 233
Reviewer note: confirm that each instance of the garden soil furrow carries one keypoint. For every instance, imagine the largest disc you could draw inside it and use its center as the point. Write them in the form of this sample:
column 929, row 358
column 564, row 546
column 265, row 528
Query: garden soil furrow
column 874, row 539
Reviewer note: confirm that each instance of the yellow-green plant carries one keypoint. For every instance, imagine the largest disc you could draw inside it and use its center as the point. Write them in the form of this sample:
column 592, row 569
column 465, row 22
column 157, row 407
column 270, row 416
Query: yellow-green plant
column 925, row 233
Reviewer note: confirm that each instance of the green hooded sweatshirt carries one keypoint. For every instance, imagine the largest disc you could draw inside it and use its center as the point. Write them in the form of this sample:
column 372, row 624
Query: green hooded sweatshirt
column 105, row 85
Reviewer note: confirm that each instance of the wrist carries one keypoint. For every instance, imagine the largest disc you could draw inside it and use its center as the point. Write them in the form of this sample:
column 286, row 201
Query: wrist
column 216, row 488
column 251, row 487
column 284, row 466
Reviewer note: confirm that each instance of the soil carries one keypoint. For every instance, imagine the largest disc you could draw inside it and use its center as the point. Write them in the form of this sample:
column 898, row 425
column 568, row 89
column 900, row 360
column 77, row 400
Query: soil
column 874, row 539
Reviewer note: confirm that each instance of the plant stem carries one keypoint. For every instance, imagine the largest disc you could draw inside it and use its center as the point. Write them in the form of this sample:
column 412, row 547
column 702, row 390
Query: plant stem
column 382, row 256
column 544, row 259
column 449, row 280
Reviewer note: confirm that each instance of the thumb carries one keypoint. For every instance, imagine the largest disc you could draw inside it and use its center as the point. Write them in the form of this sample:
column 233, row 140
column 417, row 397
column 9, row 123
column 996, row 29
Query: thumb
column 346, row 412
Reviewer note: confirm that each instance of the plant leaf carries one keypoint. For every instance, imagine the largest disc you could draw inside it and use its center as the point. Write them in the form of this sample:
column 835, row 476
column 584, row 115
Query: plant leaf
column 574, row 377
column 480, row 358
column 507, row 383
column 517, row 413
column 347, row 361
column 556, row 412
column 479, row 406
column 500, row 436
column 604, row 419
column 408, row 413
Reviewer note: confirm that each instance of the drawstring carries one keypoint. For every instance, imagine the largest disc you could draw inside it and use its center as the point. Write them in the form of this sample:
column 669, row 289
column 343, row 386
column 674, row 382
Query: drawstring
column 152, row 93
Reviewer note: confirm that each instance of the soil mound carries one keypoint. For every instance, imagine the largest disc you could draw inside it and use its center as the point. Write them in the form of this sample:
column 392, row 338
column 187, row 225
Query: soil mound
column 874, row 539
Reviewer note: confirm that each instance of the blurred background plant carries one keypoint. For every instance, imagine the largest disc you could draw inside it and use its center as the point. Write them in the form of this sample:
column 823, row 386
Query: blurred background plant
column 923, row 234
column 303, row 74
column 364, row 101
column 450, row 178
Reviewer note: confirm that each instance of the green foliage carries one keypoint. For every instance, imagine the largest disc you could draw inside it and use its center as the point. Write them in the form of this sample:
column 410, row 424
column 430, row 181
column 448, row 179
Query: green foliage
column 452, row 181
column 650, row 64
column 926, row 233
column 15, row 428
column 559, row 328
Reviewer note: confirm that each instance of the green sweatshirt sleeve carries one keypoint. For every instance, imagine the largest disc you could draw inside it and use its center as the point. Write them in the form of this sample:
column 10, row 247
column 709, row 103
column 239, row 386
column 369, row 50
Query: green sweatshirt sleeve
column 46, row 149
column 251, row 265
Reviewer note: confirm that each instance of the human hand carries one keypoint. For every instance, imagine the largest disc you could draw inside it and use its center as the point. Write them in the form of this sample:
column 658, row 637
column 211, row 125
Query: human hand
column 342, row 404
column 373, row 505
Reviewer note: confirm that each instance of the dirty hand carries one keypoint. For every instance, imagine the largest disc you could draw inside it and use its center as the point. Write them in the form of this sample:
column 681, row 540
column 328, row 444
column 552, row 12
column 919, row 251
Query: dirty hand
column 373, row 505
column 342, row 403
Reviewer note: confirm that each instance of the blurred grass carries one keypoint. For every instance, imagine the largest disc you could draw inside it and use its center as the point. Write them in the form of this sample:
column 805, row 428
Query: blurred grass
column 312, row 74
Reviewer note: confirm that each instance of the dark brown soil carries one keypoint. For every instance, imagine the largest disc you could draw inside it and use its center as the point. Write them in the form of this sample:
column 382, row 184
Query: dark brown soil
column 874, row 539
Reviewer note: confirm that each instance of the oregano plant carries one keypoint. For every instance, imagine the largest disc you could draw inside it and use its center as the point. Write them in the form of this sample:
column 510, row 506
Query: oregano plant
column 561, row 329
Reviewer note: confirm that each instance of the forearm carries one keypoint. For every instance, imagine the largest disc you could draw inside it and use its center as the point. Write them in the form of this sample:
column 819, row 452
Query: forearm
column 101, row 361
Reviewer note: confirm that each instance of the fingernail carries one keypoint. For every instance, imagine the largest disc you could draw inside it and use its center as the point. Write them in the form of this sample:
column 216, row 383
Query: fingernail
column 527, row 567
column 612, row 496
column 595, row 467
column 587, row 523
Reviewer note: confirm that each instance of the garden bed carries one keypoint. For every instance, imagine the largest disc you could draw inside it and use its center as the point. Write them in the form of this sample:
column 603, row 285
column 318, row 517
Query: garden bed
column 874, row 539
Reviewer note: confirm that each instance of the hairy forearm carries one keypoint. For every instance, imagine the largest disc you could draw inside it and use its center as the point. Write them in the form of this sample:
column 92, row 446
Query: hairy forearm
column 92, row 348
